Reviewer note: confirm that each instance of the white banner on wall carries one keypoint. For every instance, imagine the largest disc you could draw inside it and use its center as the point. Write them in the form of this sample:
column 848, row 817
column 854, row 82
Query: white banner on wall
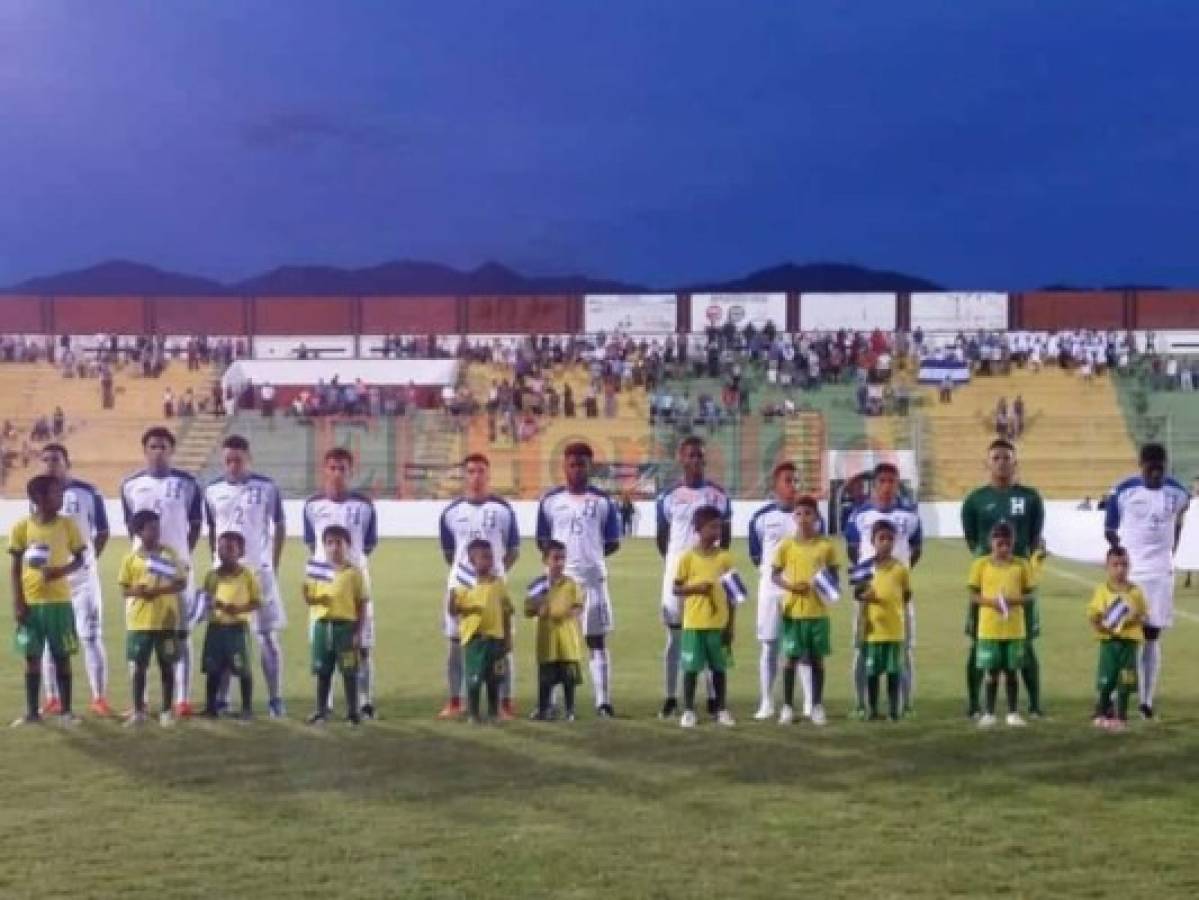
column 315, row 346
column 859, row 312
column 715, row 310
column 630, row 313
column 958, row 311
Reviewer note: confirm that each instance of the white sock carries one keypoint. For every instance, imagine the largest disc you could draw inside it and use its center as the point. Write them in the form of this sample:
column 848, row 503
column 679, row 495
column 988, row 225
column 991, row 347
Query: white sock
column 859, row 677
column 1150, row 665
column 49, row 675
column 508, row 682
column 454, row 670
column 805, row 687
column 768, row 668
column 600, row 664
column 366, row 677
column 670, row 661
column 183, row 671
column 271, row 652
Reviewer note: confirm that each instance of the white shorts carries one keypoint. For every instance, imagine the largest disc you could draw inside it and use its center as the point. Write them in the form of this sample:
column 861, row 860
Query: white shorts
column 87, row 602
column 271, row 616
column 1159, row 596
column 671, row 608
column 770, row 613
column 597, row 608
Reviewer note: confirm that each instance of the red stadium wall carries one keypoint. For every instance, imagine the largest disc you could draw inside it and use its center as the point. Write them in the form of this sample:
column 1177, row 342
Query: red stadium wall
column 199, row 315
column 96, row 315
column 409, row 315
column 304, row 315
column 521, row 315
column 1167, row 309
column 23, row 314
column 1067, row 310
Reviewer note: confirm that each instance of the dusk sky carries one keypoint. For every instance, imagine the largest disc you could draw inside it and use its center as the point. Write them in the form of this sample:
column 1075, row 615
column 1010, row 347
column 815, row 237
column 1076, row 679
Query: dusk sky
column 981, row 144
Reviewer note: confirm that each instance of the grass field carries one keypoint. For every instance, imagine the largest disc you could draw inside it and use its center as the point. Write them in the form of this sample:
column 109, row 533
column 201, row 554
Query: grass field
column 412, row 807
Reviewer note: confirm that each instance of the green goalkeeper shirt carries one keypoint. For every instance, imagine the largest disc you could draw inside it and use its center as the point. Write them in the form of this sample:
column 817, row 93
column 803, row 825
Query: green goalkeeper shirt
column 1019, row 506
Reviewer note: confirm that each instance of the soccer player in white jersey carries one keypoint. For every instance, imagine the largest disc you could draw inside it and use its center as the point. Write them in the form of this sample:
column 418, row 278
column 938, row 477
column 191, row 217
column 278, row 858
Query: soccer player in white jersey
column 885, row 504
column 83, row 503
column 769, row 527
column 249, row 504
column 1144, row 516
column 336, row 504
column 587, row 522
column 477, row 514
column 676, row 535
column 175, row 496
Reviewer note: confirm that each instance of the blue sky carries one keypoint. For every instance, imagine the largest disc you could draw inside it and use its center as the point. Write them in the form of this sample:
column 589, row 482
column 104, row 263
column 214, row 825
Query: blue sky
column 982, row 144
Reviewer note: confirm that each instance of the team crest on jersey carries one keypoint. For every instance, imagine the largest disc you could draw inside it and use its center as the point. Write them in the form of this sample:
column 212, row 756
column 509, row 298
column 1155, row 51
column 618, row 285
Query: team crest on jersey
column 489, row 519
column 174, row 489
column 1017, row 506
column 254, row 496
column 590, row 508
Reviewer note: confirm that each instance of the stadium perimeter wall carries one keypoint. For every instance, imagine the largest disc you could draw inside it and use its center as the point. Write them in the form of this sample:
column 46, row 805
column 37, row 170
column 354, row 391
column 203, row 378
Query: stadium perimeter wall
column 1069, row 532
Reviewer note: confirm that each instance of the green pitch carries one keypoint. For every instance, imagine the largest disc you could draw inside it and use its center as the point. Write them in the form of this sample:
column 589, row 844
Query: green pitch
column 409, row 806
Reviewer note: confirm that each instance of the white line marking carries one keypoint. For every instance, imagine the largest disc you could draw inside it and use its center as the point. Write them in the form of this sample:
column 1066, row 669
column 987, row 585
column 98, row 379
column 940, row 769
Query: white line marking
column 1071, row 576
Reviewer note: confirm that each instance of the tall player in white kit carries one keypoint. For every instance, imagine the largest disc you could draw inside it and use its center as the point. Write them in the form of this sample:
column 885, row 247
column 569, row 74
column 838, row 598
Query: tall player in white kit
column 83, row 503
column 769, row 527
column 885, row 504
column 1144, row 516
column 477, row 514
column 336, row 504
column 676, row 535
column 586, row 520
column 249, row 504
column 175, row 496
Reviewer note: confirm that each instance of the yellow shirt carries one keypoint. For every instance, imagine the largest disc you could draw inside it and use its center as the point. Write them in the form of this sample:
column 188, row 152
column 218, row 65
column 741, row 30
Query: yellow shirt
column 239, row 588
column 1132, row 595
column 482, row 609
column 798, row 560
column 1013, row 579
column 704, row 611
column 161, row 613
column 559, row 638
column 61, row 535
column 338, row 600
column 884, row 616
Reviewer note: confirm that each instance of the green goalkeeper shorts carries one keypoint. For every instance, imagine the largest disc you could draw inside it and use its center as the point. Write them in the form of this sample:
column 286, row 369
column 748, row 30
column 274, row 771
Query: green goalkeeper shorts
column 141, row 645
column 1117, row 665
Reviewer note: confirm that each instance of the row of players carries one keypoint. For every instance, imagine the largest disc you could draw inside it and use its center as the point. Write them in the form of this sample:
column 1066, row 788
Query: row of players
column 1144, row 516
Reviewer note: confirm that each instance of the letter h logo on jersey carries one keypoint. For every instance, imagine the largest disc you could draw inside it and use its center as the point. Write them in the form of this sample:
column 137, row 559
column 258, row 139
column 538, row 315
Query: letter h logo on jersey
column 1017, row 506
column 489, row 518
column 589, row 508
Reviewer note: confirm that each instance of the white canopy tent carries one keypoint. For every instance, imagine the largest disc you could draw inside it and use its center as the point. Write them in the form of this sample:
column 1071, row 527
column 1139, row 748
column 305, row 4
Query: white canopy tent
column 307, row 372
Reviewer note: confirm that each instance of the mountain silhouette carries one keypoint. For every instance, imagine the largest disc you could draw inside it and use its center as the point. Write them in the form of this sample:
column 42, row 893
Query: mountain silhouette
column 417, row 278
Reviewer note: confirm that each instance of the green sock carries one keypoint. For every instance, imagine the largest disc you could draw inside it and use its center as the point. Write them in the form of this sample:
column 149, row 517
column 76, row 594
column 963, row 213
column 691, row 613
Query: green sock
column 1031, row 671
column 974, row 681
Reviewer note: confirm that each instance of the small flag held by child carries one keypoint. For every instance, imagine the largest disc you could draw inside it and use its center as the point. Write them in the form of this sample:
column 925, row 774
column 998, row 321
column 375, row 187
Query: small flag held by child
column 37, row 556
column 861, row 573
column 539, row 590
column 464, row 574
column 824, row 583
column 319, row 571
column 734, row 588
column 1001, row 604
column 162, row 567
column 1115, row 614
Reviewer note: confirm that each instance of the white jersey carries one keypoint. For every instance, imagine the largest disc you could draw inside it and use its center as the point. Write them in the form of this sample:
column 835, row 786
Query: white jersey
column 584, row 523
column 1145, row 519
column 354, row 512
column 904, row 515
column 769, row 527
column 491, row 519
column 175, row 496
column 252, row 508
column 83, row 504
column 676, row 508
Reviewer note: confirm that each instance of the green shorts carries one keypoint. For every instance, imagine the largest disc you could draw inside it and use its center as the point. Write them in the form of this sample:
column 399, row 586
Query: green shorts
column 164, row 645
column 47, row 625
column 884, row 658
column 225, row 650
column 703, row 648
column 333, row 646
column 1117, row 665
column 807, row 638
column 483, row 658
column 999, row 656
